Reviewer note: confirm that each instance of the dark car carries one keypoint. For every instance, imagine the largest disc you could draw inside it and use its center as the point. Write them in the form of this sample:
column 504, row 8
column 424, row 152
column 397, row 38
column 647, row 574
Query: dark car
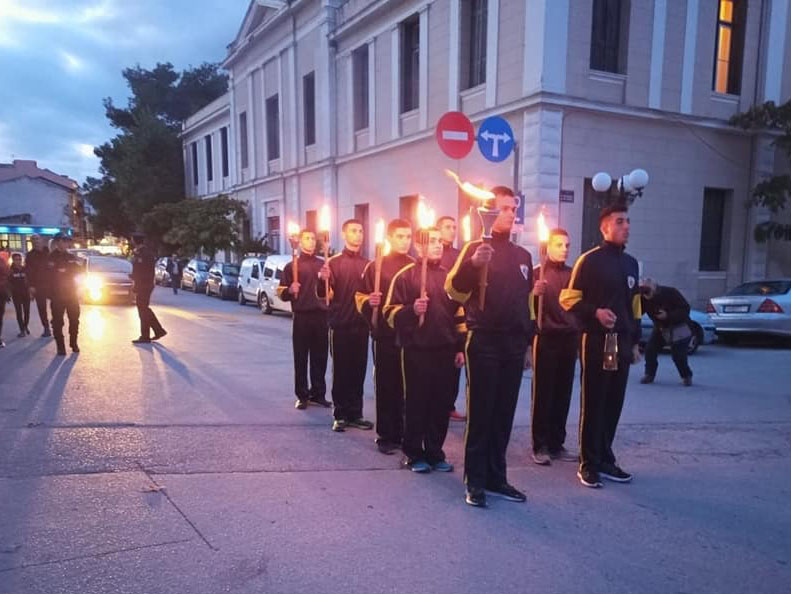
column 223, row 280
column 195, row 274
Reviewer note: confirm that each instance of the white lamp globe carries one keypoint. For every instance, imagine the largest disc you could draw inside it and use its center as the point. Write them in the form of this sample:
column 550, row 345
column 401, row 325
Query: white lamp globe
column 638, row 179
column 627, row 187
column 601, row 182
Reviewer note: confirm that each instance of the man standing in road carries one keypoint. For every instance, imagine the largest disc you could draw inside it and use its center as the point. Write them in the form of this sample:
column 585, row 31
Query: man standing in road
column 603, row 293
column 38, row 278
column 143, row 276
column 63, row 269
column 348, row 330
column 309, row 332
column 175, row 273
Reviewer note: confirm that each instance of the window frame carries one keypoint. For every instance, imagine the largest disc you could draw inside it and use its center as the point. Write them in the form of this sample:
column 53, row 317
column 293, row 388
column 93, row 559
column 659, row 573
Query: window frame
column 194, row 150
column 209, row 160
column 409, row 64
column 361, row 88
column 243, row 141
column 309, row 107
column 604, row 62
column 735, row 63
column 474, row 42
column 272, row 114
column 224, row 150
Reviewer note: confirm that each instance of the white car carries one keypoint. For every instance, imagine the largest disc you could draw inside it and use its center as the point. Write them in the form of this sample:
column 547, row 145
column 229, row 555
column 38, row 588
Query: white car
column 250, row 273
column 270, row 280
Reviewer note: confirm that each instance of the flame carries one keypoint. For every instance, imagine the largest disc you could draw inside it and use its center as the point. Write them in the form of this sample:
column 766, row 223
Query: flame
column 324, row 218
column 379, row 231
column 466, row 228
column 543, row 230
column 293, row 229
column 387, row 248
column 470, row 189
column 425, row 215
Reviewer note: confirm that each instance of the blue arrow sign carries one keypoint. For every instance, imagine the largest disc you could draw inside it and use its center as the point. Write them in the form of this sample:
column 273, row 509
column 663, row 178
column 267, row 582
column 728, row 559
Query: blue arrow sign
column 495, row 139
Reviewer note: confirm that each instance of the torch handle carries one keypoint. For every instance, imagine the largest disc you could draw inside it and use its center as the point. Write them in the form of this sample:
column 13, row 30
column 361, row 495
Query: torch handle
column 295, row 267
column 540, row 313
column 484, row 280
column 423, row 276
column 377, row 285
column 327, row 280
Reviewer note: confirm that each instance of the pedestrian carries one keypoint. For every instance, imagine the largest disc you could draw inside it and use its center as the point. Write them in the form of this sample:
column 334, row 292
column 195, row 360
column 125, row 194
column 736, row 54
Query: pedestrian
column 499, row 333
column 348, row 330
column 555, row 347
column 20, row 293
column 63, row 270
column 309, row 335
column 175, row 273
column 388, row 383
column 38, row 279
column 143, row 264
column 4, row 297
column 669, row 312
column 430, row 330
column 603, row 293
column 447, row 231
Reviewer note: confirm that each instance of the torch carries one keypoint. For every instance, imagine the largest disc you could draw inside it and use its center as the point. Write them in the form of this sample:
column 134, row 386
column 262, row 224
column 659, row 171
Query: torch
column 324, row 230
column 466, row 228
column 488, row 213
column 425, row 217
column 293, row 239
column 543, row 240
column 379, row 239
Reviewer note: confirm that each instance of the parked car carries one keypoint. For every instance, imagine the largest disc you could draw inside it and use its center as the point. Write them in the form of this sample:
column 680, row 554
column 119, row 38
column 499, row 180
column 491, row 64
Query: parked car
column 161, row 274
column 106, row 279
column 273, row 270
column 250, row 273
column 758, row 307
column 701, row 325
column 223, row 280
column 195, row 275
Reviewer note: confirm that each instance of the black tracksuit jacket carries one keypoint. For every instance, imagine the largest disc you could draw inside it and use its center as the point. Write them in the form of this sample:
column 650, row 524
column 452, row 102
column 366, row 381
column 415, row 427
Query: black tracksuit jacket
column 308, row 299
column 346, row 271
column 391, row 264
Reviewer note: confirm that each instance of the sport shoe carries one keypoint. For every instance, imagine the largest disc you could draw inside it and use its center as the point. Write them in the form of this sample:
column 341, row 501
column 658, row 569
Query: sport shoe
column 541, row 457
column 301, row 404
column 589, row 478
column 647, row 379
column 687, row 381
column 141, row 340
column 2, row 344
column 46, row 334
column 158, row 335
column 385, row 447
column 21, row 334
column 360, row 424
column 615, row 474
column 320, row 402
column 27, row 331
column 475, row 497
column 74, row 347
column 339, row 425
column 419, row 466
column 563, row 455
column 457, row 416
column 508, row 492
column 442, row 466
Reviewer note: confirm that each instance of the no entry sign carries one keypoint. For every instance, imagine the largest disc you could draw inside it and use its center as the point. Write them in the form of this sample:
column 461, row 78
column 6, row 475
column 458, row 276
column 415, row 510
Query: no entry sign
column 455, row 134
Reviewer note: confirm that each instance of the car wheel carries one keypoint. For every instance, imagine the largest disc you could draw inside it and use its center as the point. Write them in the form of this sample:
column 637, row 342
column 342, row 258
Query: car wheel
column 265, row 306
column 208, row 290
column 240, row 297
column 696, row 339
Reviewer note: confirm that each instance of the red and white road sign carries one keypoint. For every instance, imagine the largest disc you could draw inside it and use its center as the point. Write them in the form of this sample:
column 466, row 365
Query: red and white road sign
column 455, row 134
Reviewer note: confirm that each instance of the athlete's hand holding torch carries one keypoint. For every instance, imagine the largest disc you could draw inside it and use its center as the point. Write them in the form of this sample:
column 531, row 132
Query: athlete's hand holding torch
column 324, row 230
column 293, row 239
column 379, row 239
column 543, row 240
column 425, row 217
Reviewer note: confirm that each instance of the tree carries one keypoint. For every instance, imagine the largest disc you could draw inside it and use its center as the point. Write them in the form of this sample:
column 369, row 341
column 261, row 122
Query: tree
column 772, row 193
column 142, row 165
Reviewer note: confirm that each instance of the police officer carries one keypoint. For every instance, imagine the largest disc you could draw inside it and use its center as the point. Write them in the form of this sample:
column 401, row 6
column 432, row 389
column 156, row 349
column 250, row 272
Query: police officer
column 348, row 330
column 388, row 384
column 38, row 279
column 555, row 346
column 603, row 293
column 431, row 355
column 496, row 345
column 63, row 269
column 309, row 333
column 669, row 312
column 143, row 264
column 20, row 293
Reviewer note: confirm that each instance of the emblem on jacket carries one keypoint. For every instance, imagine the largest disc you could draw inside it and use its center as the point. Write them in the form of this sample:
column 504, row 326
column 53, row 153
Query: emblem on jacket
column 630, row 281
column 525, row 271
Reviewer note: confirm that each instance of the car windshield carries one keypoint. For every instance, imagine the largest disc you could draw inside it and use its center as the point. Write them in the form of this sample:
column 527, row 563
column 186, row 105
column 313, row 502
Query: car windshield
column 109, row 265
column 762, row 288
column 230, row 270
column 202, row 266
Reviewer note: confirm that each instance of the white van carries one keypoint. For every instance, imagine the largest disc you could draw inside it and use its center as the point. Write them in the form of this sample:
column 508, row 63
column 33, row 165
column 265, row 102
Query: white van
column 270, row 280
column 250, row 273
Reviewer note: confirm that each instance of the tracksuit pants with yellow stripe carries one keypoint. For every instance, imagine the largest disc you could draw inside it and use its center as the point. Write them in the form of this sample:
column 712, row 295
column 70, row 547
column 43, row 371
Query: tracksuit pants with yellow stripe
column 602, row 399
column 554, row 360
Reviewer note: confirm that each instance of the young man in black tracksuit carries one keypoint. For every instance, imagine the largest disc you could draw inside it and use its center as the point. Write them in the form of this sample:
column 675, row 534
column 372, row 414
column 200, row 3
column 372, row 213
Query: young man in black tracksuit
column 20, row 294
column 348, row 330
column 309, row 332
column 604, row 295
column 447, row 231
column 555, row 347
column 63, row 269
column 388, row 383
column 143, row 264
column 669, row 311
column 432, row 354
column 496, row 345
column 38, row 279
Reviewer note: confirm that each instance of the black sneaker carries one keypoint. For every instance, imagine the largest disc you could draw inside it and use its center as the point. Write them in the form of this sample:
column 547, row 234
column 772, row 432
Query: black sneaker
column 320, row 402
column 74, row 347
column 158, row 335
column 46, row 334
column 563, row 455
column 687, row 381
column 589, row 478
column 385, row 447
column 360, row 424
column 339, row 425
column 508, row 492
column 301, row 404
column 2, row 344
column 475, row 497
column 615, row 474
column 141, row 340
column 647, row 379
column 541, row 457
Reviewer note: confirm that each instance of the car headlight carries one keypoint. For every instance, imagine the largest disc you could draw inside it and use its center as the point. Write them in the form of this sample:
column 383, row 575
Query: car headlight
column 94, row 286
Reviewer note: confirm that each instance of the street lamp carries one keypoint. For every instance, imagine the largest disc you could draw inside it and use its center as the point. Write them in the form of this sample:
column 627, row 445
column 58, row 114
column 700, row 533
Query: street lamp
column 630, row 186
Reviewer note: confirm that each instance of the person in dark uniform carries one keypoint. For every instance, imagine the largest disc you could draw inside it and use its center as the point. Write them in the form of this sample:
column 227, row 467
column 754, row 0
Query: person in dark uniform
column 20, row 293
column 175, row 273
column 4, row 272
column 143, row 263
column 447, row 232
column 63, row 269
column 555, row 347
column 495, row 350
column 38, row 279
column 603, row 293
column 431, row 355
column 388, row 383
column 348, row 330
column 669, row 311
column 309, row 332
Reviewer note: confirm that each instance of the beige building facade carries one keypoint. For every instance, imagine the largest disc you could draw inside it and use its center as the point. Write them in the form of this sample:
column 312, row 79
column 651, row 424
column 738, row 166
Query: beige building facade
column 337, row 102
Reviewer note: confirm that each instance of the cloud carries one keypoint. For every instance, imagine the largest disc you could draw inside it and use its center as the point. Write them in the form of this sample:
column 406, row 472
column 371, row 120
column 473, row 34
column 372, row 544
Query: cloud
column 71, row 62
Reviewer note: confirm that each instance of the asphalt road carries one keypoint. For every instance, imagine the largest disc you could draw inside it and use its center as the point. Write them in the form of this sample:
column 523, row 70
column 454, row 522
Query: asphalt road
column 182, row 467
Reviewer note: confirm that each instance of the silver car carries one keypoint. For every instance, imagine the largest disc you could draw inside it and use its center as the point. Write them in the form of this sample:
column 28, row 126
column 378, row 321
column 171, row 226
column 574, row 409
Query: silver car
column 758, row 307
